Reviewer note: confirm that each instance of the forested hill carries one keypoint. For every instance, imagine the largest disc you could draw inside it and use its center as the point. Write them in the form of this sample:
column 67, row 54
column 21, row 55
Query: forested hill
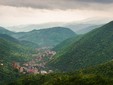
column 9, row 38
column 104, row 69
column 94, row 48
column 48, row 37
column 67, row 43
column 11, row 50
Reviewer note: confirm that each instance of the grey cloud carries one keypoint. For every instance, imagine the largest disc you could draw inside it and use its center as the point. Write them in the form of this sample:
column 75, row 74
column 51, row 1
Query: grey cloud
column 96, row 1
column 58, row 4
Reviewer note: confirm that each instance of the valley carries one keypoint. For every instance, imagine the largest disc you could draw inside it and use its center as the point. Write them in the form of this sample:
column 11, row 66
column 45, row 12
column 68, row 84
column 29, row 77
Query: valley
column 37, row 65
column 56, row 42
column 56, row 55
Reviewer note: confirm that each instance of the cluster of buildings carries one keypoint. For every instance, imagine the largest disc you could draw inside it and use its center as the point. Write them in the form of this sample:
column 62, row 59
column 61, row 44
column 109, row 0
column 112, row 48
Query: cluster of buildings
column 37, row 64
column 27, row 69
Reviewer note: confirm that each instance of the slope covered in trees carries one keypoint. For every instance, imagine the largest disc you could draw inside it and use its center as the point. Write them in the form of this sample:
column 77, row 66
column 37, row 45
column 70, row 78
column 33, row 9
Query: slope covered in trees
column 67, row 43
column 104, row 69
column 48, row 37
column 11, row 51
column 92, row 49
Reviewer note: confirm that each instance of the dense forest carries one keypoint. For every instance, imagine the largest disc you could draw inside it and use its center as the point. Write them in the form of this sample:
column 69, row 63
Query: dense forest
column 11, row 50
column 92, row 49
column 48, row 37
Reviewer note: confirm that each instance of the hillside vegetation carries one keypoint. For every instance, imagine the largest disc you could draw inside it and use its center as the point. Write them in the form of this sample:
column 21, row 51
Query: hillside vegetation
column 93, row 48
column 67, row 43
column 48, row 37
column 11, row 51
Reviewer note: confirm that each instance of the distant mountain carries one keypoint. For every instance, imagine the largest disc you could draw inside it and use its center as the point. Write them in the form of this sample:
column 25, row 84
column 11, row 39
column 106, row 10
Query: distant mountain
column 4, row 31
column 86, row 25
column 14, row 40
column 29, row 27
column 93, row 48
column 80, row 27
column 8, row 38
column 87, row 28
column 44, row 37
column 47, row 37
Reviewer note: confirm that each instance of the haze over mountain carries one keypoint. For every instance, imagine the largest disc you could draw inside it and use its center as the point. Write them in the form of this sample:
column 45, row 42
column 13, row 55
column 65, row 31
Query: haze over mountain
column 4, row 31
column 79, row 27
column 30, row 27
column 86, row 25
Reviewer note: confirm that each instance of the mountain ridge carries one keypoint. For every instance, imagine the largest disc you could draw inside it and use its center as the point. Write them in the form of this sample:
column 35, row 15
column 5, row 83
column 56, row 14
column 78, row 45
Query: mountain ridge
column 93, row 48
column 48, row 37
column 44, row 37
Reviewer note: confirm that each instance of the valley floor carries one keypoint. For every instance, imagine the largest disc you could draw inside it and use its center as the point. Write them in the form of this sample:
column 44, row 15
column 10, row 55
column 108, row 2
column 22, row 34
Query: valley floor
column 37, row 64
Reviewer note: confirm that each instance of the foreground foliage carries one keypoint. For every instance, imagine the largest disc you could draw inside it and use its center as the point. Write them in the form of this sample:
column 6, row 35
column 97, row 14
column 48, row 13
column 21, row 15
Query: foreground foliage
column 99, row 75
column 63, row 79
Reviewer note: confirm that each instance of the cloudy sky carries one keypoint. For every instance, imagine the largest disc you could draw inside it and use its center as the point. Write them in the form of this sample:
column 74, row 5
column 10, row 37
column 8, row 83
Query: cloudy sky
column 18, row 12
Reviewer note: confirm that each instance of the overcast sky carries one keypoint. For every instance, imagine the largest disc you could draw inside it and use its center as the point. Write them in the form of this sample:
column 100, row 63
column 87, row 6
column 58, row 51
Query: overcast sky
column 17, row 12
